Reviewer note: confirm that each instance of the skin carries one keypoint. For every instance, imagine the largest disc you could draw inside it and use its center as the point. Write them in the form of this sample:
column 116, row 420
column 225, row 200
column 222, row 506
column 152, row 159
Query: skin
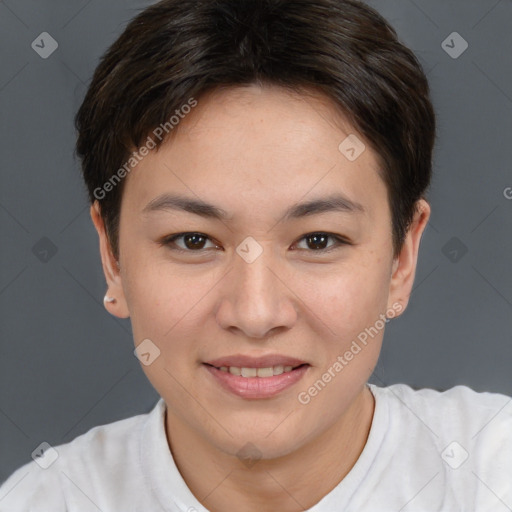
column 255, row 151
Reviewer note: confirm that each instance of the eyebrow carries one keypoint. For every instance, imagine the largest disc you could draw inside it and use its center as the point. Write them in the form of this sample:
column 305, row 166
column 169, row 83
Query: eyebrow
column 333, row 203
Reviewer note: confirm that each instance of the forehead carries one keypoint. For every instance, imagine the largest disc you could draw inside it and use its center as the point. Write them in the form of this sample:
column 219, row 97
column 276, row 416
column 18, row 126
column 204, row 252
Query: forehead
column 260, row 146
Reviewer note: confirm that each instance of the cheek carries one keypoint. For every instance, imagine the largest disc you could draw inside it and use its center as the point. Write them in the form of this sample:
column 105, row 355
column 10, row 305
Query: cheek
column 165, row 308
column 164, row 303
column 348, row 299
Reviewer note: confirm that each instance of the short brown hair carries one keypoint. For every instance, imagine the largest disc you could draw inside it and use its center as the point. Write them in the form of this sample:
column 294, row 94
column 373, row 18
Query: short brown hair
column 178, row 49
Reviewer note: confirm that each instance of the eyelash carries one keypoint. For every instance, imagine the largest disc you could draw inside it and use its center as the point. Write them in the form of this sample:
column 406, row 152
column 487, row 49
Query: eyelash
column 169, row 242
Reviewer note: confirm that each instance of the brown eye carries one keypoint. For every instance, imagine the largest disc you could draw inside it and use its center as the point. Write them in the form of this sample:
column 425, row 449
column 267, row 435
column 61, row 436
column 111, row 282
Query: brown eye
column 319, row 241
column 192, row 242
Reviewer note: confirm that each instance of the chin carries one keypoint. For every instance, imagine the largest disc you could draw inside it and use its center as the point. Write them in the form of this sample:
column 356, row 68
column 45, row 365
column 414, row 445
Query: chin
column 261, row 443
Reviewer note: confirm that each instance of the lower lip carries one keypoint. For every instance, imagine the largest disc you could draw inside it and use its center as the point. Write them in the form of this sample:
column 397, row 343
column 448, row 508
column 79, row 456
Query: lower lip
column 257, row 387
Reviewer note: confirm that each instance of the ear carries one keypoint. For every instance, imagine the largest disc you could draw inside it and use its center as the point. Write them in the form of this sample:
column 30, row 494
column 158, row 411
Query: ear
column 404, row 265
column 111, row 269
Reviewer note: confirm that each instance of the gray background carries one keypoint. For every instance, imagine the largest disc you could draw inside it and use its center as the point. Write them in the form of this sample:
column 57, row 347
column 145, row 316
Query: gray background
column 66, row 365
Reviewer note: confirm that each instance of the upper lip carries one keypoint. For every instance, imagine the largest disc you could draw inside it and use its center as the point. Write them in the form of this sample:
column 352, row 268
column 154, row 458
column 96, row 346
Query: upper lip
column 267, row 361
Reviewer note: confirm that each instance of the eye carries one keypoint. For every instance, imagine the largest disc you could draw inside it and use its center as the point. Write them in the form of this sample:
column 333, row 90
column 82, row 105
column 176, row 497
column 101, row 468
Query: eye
column 193, row 242
column 317, row 242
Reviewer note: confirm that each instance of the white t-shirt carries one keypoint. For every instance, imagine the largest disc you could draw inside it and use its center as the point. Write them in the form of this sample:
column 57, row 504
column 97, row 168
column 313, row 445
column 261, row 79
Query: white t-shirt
column 427, row 451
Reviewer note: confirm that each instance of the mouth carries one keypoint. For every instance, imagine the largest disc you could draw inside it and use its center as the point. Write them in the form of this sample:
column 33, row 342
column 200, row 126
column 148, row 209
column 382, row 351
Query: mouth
column 260, row 372
column 256, row 378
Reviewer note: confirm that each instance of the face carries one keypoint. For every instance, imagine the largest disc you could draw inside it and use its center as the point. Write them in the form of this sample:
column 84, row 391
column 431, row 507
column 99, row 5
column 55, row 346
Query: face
column 257, row 274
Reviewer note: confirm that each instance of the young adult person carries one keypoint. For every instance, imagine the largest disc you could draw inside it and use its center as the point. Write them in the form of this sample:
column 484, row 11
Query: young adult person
column 257, row 172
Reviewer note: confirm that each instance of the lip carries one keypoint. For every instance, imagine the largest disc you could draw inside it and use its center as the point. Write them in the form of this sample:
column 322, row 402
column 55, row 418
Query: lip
column 242, row 361
column 256, row 387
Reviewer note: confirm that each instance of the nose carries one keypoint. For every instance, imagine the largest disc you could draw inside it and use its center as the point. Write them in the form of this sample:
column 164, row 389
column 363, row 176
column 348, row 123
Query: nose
column 256, row 299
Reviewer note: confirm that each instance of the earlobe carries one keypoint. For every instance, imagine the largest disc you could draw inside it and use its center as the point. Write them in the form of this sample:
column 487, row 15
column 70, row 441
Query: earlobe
column 114, row 300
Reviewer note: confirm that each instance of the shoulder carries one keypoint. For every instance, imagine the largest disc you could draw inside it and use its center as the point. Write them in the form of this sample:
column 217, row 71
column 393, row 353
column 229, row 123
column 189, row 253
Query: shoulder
column 459, row 407
column 479, row 422
column 462, row 437
column 76, row 470
column 460, row 394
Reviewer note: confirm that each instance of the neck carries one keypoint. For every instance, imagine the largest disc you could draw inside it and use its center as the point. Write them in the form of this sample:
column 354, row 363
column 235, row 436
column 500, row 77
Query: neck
column 291, row 483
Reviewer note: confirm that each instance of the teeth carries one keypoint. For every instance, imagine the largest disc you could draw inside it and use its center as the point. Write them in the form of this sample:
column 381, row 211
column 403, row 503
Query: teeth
column 257, row 372
column 278, row 370
column 264, row 372
column 249, row 372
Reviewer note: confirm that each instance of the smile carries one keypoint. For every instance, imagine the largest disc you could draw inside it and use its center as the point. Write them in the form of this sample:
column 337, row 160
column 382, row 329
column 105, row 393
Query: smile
column 257, row 372
column 256, row 383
